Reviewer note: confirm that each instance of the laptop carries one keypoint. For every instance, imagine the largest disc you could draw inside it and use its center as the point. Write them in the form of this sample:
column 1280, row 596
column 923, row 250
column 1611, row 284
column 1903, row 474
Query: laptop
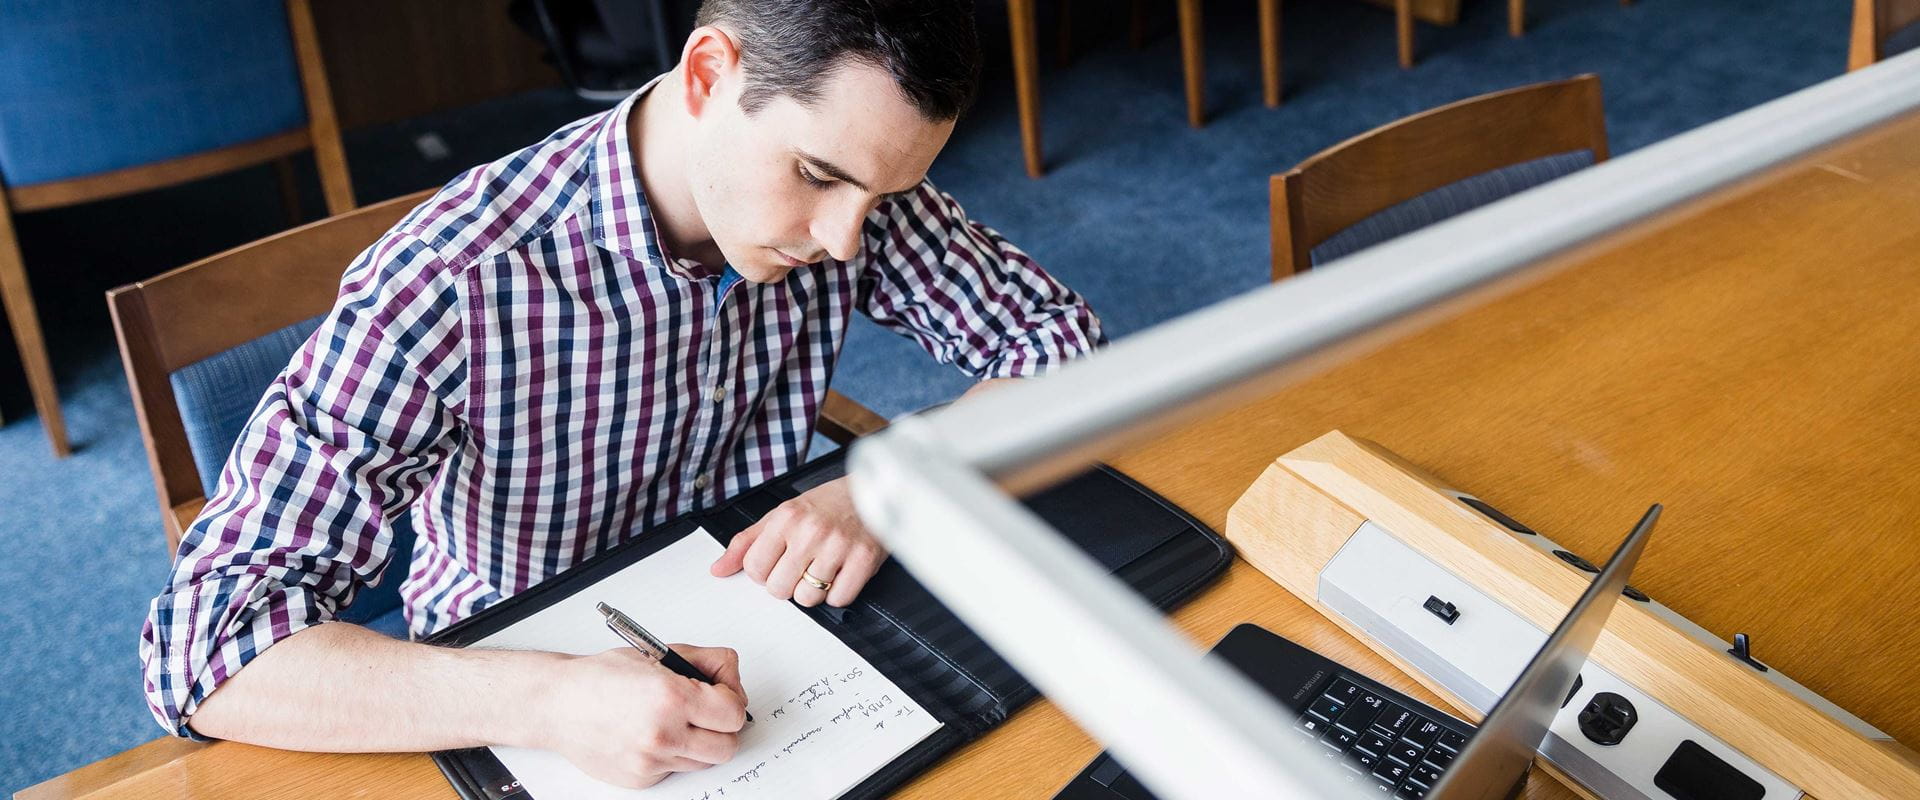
column 1390, row 745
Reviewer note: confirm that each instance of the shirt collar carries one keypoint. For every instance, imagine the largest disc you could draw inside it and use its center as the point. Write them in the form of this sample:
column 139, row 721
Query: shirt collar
column 622, row 219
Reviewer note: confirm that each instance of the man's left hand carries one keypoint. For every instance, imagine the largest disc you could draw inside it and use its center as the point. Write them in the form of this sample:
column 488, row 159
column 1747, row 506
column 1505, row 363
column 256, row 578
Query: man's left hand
column 816, row 535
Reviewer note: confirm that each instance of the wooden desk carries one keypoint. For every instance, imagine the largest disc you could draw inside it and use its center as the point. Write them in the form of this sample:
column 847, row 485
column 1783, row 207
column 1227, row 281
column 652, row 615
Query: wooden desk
column 1751, row 363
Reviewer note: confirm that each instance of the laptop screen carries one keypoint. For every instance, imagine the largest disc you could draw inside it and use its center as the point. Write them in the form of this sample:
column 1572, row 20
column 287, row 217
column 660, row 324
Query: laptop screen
column 1498, row 755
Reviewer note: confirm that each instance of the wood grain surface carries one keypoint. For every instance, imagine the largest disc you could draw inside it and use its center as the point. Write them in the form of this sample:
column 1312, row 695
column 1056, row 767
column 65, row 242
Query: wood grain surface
column 1748, row 361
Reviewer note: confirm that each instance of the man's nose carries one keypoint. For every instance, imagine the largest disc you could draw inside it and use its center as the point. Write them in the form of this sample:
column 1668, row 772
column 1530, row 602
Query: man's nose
column 839, row 231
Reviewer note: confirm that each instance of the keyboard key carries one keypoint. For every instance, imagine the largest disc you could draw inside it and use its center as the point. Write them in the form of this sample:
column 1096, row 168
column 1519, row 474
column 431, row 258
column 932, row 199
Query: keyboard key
column 1452, row 741
column 1390, row 770
column 1344, row 691
column 1312, row 726
column 1373, row 742
column 1359, row 715
column 1405, row 752
column 1426, row 773
column 1410, row 791
column 1339, row 738
column 1439, row 758
column 1393, row 719
column 1385, row 789
column 1325, row 708
column 1365, row 759
column 1422, row 732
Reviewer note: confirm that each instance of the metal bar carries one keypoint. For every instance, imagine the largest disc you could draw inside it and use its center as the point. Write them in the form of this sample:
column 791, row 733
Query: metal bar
column 1187, row 726
column 1029, row 434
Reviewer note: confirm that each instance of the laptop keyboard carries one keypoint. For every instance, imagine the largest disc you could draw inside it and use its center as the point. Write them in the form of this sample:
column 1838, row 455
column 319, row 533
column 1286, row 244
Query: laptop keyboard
column 1391, row 748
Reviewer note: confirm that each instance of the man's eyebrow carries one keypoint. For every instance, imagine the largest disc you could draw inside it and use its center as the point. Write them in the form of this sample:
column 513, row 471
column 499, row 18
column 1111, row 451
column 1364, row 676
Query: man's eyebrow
column 831, row 171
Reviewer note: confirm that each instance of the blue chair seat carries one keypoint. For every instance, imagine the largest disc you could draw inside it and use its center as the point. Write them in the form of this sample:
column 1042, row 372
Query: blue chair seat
column 393, row 623
column 1450, row 200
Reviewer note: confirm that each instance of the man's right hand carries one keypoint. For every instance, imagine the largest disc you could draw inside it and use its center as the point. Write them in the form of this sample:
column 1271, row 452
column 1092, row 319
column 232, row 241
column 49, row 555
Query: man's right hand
column 625, row 719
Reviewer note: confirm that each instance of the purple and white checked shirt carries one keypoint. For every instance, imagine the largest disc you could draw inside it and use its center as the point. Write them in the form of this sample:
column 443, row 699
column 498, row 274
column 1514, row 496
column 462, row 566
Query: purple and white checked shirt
column 518, row 367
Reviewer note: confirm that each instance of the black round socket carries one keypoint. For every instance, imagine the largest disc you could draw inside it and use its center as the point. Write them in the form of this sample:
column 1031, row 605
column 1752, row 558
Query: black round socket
column 1583, row 564
column 1607, row 718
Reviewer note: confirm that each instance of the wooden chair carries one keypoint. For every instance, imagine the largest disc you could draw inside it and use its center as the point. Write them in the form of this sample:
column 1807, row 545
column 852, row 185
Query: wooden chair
column 210, row 307
column 1426, row 167
column 1026, row 65
column 1874, row 22
column 79, row 183
column 1403, row 25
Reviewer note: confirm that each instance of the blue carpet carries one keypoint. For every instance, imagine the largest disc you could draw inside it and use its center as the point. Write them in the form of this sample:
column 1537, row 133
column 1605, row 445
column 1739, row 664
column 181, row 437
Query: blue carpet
column 1147, row 217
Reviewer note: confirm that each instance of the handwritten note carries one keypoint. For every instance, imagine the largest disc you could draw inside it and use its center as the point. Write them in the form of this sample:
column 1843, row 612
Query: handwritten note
column 824, row 718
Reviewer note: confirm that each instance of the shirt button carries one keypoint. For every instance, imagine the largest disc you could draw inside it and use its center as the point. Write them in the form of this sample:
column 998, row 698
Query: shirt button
column 700, row 481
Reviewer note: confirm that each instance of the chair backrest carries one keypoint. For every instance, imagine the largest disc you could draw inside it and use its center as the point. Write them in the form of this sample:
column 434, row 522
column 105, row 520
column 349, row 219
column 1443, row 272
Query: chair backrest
column 1875, row 22
column 77, row 80
column 1423, row 168
column 99, row 101
column 219, row 322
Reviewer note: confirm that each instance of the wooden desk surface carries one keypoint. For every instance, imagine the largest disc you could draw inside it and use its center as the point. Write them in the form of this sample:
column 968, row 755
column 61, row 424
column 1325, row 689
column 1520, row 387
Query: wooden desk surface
column 1752, row 363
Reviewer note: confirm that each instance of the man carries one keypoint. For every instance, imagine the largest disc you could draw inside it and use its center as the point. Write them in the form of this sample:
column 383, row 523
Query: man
column 633, row 319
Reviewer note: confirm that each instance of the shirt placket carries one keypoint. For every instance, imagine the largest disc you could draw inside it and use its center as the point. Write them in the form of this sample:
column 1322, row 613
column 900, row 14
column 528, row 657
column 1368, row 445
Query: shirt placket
column 715, row 383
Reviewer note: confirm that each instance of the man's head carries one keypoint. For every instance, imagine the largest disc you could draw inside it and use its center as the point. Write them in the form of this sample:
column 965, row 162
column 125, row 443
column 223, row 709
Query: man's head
column 806, row 113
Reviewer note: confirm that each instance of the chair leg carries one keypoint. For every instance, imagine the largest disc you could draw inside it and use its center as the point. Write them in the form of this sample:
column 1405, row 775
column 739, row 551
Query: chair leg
column 18, row 300
column 1403, row 30
column 289, row 189
column 1063, row 37
column 1193, row 59
column 1026, row 81
column 1516, row 18
column 1137, row 26
column 1270, row 50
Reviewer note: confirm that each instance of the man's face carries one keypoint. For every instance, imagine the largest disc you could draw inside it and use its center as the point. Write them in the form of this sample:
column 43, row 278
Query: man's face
column 790, row 185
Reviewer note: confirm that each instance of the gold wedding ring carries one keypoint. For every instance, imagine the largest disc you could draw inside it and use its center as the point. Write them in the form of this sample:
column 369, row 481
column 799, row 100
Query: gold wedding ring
column 815, row 582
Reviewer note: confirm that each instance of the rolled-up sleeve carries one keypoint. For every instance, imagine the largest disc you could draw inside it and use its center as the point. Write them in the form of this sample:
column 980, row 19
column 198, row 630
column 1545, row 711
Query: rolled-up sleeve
column 344, row 439
column 967, row 295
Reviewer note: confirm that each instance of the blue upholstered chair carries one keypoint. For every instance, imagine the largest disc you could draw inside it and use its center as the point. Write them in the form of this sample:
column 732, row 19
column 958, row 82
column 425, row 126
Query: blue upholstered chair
column 105, row 99
column 1881, row 29
column 1433, row 165
column 201, row 343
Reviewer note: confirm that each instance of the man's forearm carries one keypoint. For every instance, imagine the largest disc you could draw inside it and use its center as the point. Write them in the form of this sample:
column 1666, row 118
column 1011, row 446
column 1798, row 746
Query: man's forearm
column 338, row 687
column 986, row 386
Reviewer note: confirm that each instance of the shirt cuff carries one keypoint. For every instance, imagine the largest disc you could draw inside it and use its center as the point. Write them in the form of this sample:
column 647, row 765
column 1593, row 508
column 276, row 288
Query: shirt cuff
column 199, row 635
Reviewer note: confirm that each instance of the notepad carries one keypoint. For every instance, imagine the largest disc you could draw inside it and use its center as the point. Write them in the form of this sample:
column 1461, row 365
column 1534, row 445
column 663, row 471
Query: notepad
column 824, row 718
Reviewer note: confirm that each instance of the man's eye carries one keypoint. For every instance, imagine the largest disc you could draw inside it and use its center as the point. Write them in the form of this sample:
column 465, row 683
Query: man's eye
column 813, row 180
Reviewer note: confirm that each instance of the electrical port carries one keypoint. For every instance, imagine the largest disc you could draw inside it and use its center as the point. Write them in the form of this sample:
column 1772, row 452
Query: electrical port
column 1607, row 718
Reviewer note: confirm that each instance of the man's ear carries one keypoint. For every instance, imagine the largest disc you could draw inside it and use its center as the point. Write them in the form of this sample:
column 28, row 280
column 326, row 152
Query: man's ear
column 709, row 68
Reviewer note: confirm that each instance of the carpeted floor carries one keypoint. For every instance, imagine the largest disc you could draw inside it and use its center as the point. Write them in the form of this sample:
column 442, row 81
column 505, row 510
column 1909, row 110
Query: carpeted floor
column 1147, row 217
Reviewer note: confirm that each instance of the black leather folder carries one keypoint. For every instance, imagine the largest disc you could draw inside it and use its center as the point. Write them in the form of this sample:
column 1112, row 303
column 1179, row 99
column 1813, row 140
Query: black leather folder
column 896, row 624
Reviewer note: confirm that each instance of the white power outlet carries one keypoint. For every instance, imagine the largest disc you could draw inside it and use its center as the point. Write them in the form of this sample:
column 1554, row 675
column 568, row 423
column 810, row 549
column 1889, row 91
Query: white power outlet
column 1381, row 585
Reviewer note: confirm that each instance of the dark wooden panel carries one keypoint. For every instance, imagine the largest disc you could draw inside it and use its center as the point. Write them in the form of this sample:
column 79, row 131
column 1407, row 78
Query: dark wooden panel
column 393, row 60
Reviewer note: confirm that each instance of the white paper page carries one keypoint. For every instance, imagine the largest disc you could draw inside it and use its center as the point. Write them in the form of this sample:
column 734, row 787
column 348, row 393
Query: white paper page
column 824, row 719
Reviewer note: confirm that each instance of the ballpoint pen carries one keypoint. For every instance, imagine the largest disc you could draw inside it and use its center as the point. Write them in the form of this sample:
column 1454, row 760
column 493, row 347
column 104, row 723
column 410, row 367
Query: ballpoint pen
column 651, row 646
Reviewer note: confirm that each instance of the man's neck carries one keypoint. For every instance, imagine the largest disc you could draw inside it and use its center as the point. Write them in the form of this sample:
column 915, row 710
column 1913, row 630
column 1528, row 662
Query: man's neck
column 657, row 130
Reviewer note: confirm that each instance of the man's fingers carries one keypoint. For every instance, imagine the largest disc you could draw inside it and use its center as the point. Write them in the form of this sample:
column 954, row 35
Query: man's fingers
column 717, row 708
column 729, row 562
column 764, row 554
column 722, row 664
column 709, row 747
column 786, row 574
column 854, row 574
column 673, row 764
column 825, row 566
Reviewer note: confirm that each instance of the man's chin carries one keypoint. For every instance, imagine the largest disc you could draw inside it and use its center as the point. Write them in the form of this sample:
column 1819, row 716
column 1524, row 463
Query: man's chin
column 763, row 273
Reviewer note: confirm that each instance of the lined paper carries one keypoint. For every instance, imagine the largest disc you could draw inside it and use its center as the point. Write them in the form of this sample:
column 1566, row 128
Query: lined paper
column 824, row 718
